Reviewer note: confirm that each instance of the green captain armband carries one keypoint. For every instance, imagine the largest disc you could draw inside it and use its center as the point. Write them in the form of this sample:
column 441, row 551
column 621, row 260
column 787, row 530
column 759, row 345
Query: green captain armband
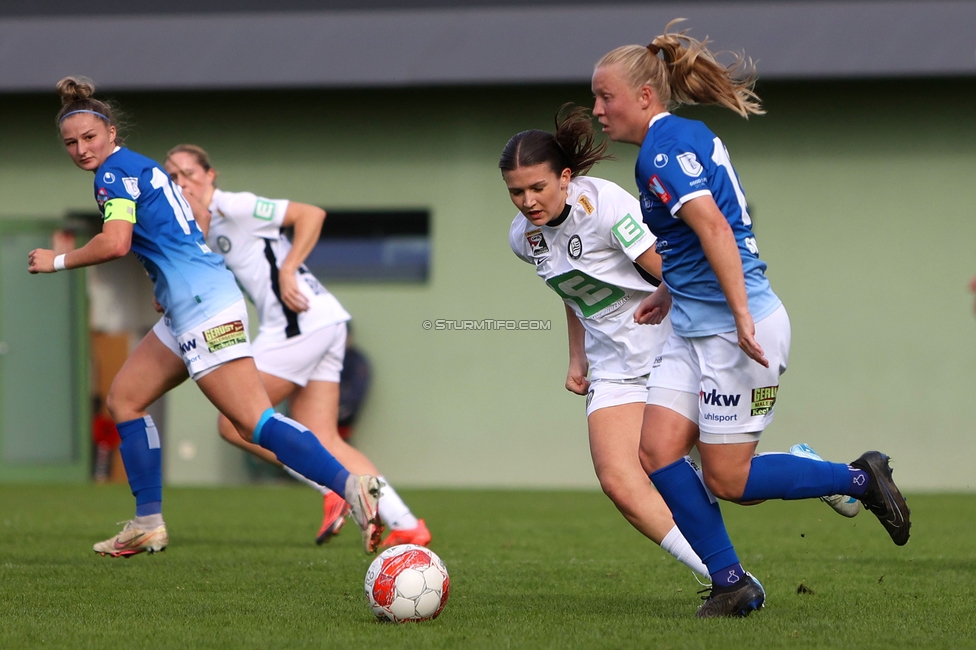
column 120, row 210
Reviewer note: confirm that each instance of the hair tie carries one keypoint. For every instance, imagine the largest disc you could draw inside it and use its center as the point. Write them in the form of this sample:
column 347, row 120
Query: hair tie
column 654, row 49
column 83, row 110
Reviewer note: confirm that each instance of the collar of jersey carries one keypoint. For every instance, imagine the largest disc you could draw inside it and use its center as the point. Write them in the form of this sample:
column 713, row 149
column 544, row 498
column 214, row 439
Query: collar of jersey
column 558, row 221
column 656, row 118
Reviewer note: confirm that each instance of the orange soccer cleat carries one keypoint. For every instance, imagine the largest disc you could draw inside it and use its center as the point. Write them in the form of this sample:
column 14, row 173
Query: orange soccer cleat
column 334, row 517
column 418, row 535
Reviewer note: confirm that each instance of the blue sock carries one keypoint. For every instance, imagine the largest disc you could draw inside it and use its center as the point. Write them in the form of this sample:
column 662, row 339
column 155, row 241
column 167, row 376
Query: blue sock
column 697, row 515
column 143, row 464
column 299, row 449
column 728, row 576
column 785, row 476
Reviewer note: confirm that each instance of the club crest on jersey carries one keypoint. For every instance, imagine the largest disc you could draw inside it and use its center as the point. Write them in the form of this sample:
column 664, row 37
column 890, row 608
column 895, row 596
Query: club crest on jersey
column 660, row 160
column 575, row 247
column 223, row 244
column 108, row 178
column 537, row 242
column 585, row 202
column 131, row 184
column 655, row 185
column 690, row 165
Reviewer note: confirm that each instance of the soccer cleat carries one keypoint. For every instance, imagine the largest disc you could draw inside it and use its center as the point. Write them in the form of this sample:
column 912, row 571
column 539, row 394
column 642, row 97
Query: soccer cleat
column 737, row 601
column 418, row 535
column 883, row 497
column 335, row 511
column 363, row 497
column 134, row 540
column 843, row 504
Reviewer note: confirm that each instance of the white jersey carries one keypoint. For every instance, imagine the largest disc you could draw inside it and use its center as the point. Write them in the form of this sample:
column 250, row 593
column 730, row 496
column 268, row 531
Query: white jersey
column 588, row 260
column 246, row 229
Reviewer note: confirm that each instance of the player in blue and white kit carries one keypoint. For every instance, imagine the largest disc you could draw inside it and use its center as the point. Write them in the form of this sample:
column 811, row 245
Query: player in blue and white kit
column 716, row 382
column 203, row 333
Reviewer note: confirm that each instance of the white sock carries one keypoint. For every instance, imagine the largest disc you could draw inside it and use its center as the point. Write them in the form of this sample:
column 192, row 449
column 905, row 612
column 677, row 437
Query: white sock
column 312, row 484
column 676, row 544
column 147, row 522
column 393, row 511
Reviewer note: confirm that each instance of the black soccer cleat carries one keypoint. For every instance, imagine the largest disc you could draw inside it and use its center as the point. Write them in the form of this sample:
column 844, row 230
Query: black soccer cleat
column 883, row 497
column 737, row 601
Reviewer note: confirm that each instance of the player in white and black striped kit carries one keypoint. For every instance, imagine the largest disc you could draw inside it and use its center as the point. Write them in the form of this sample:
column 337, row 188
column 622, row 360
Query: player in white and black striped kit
column 587, row 241
column 300, row 346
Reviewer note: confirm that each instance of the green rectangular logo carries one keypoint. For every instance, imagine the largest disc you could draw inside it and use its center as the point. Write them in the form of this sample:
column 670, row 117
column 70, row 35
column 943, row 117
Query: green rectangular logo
column 627, row 230
column 264, row 210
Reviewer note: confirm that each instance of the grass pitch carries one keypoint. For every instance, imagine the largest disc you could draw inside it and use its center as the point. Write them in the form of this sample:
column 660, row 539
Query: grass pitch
column 528, row 570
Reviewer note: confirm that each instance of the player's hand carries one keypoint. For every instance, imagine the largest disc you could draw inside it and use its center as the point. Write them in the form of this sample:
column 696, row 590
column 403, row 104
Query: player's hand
column 576, row 383
column 653, row 309
column 294, row 299
column 40, row 260
column 746, row 330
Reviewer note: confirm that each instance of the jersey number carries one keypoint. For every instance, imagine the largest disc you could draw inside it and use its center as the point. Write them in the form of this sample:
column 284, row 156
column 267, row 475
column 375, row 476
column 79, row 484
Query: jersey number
column 589, row 294
column 720, row 156
column 181, row 209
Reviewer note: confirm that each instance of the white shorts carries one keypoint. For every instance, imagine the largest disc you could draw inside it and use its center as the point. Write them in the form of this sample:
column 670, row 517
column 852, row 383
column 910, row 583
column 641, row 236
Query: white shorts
column 614, row 392
column 735, row 394
column 314, row 356
column 210, row 344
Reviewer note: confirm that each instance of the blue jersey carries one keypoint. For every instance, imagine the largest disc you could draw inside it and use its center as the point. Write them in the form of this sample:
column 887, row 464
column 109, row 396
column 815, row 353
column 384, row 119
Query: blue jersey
column 680, row 160
column 189, row 280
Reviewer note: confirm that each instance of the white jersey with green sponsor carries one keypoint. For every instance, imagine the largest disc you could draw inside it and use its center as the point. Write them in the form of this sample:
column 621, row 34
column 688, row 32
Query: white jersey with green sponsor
column 588, row 259
column 246, row 230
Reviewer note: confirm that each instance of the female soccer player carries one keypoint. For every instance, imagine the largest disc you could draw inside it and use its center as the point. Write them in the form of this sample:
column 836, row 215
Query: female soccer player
column 302, row 339
column 587, row 242
column 717, row 379
column 203, row 333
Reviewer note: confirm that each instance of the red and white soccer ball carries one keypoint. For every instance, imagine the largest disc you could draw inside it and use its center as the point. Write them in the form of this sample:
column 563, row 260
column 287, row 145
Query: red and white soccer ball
column 407, row 583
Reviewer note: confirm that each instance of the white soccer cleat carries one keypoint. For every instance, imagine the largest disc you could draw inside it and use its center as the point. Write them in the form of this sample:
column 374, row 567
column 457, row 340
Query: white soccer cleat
column 841, row 503
column 134, row 540
column 363, row 496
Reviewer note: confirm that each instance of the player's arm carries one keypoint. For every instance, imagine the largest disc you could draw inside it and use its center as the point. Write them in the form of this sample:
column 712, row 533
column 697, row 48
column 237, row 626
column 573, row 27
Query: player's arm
column 702, row 214
column 576, row 381
column 307, row 221
column 113, row 242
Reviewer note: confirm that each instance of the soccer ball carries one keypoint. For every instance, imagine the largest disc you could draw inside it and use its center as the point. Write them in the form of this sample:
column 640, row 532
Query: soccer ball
column 407, row 583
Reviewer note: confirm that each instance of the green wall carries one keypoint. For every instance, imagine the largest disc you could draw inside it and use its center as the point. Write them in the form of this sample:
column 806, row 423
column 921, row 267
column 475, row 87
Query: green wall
column 863, row 198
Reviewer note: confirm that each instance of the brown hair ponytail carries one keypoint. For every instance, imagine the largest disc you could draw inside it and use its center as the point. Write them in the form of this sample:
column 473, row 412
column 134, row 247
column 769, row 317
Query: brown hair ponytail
column 572, row 146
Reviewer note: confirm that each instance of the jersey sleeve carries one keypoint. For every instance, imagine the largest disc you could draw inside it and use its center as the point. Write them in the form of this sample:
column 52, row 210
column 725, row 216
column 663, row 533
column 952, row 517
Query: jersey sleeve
column 516, row 239
column 673, row 174
column 262, row 217
column 622, row 223
column 117, row 189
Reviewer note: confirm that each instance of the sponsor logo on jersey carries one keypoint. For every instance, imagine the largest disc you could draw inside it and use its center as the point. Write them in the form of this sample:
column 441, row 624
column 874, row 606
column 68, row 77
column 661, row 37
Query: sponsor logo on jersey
column 224, row 336
column 763, row 399
column 657, row 362
column 101, row 196
column 223, row 244
column 585, row 202
column 186, row 346
column 716, row 398
column 537, row 242
column 131, row 184
column 690, row 165
column 660, row 160
column 575, row 247
column 108, row 178
column 627, row 231
column 655, row 185
column 264, row 210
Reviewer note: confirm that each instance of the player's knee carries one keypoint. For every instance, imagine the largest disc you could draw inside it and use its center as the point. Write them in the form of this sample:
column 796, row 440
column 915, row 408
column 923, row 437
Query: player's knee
column 723, row 487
